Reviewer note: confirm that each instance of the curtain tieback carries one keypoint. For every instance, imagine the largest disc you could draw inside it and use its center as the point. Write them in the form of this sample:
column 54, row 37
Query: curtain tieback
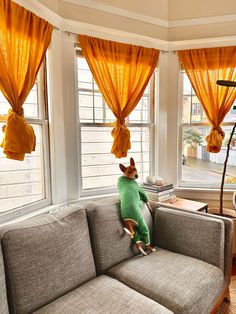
column 19, row 137
column 121, row 135
column 214, row 140
column 119, row 123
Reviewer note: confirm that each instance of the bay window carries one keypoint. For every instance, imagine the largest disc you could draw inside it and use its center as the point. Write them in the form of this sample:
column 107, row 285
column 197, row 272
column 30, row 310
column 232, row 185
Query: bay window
column 199, row 168
column 24, row 183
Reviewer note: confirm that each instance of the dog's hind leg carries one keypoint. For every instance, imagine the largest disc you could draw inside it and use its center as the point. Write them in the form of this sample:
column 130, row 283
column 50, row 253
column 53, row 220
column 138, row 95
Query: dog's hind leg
column 128, row 227
column 139, row 246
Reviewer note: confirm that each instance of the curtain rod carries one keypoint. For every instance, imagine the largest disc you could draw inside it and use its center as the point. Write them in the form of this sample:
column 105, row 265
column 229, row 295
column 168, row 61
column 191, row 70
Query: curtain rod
column 76, row 44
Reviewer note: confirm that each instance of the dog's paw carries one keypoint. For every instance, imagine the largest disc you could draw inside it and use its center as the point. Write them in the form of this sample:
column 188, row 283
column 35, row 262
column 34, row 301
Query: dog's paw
column 142, row 252
column 150, row 248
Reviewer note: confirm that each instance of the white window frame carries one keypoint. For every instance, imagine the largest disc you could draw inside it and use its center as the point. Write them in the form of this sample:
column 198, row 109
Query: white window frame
column 151, row 125
column 189, row 185
column 44, row 124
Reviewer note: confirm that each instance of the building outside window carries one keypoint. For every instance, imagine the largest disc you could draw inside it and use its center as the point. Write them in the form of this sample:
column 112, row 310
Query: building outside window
column 99, row 168
column 200, row 168
column 26, row 182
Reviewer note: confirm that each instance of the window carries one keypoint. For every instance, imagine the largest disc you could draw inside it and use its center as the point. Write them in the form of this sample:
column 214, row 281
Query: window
column 26, row 182
column 200, row 168
column 99, row 167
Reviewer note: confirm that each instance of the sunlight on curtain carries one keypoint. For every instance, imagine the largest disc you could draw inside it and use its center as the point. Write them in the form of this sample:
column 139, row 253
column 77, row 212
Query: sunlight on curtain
column 122, row 73
column 24, row 38
column 204, row 67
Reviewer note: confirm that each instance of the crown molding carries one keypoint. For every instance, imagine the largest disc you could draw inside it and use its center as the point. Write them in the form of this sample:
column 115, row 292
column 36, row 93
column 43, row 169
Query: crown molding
column 202, row 43
column 91, row 4
column 42, row 11
column 66, row 25
column 202, row 21
column 53, row 18
column 152, row 20
column 111, row 34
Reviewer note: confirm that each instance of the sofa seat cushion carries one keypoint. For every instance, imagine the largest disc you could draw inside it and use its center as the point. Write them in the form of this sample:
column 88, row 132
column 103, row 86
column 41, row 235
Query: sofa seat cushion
column 111, row 245
column 180, row 283
column 46, row 257
column 103, row 295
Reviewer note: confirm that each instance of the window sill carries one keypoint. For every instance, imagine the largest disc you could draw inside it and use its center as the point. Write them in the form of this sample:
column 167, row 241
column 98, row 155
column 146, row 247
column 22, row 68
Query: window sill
column 206, row 195
column 84, row 199
column 49, row 208
column 43, row 210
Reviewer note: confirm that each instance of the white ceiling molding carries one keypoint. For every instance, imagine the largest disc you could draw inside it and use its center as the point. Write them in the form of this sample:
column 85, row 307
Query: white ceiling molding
column 118, row 11
column 202, row 43
column 118, row 35
column 113, row 34
column 42, row 11
column 202, row 21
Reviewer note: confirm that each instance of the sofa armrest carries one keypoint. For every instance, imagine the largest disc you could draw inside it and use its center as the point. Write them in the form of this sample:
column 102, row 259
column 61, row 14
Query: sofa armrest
column 229, row 233
column 198, row 236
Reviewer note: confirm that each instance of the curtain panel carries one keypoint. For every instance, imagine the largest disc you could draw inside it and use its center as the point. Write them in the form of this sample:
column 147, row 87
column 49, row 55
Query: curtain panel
column 24, row 39
column 121, row 72
column 204, row 67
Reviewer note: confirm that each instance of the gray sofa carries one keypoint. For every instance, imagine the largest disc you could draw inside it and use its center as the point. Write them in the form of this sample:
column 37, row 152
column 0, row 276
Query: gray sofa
column 79, row 260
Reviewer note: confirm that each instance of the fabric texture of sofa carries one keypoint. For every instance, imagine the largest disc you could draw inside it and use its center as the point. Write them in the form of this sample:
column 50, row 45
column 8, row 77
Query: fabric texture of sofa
column 79, row 260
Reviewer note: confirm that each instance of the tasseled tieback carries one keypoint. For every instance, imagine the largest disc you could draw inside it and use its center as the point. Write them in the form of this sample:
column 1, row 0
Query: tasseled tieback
column 121, row 135
column 19, row 137
column 214, row 140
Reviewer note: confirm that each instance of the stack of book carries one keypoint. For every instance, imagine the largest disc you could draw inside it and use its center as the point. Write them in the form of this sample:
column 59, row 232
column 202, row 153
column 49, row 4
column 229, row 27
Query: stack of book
column 160, row 193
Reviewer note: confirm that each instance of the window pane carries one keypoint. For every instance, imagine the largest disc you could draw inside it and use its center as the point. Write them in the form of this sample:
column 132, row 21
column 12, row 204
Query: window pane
column 31, row 109
column 99, row 167
column 92, row 106
column 192, row 108
column 200, row 166
column 22, row 182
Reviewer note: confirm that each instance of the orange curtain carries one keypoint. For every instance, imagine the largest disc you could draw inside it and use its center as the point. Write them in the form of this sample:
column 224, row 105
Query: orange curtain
column 24, row 39
column 204, row 67
column 122, row 73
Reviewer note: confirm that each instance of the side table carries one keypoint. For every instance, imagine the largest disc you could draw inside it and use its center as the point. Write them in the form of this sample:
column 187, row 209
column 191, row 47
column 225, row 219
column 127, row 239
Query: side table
column 181, row 203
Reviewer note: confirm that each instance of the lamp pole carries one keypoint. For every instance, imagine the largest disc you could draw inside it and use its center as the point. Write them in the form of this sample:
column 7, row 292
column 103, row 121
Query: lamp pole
column 227, row 84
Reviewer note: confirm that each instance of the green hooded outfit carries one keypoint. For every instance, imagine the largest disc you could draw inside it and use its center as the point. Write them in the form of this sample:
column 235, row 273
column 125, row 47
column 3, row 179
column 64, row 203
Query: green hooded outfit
column 131, row 197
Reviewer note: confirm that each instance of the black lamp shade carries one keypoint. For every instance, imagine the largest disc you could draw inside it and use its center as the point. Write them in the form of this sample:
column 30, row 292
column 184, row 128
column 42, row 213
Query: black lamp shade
column 226, row 83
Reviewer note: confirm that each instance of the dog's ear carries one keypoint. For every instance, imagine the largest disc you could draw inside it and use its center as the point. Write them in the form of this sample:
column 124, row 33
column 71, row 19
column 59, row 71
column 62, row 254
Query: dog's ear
column 122, row 168
column 132, row 163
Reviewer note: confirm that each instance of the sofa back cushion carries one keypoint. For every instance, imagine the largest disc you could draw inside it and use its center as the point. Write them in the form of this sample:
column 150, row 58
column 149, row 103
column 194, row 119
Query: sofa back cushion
column 111, row 245
column 46, row 257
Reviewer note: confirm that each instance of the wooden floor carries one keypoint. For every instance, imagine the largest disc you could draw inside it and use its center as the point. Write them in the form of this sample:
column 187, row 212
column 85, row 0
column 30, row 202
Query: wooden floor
column 230, row 308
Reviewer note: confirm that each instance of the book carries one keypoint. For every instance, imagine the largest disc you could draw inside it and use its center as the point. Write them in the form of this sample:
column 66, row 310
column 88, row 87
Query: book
column 158, row 188
column 165, row 197
column 169, row 191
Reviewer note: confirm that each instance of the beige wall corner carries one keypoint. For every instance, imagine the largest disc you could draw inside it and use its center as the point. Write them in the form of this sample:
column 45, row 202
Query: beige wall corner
column 51, row 4
column 153, row 8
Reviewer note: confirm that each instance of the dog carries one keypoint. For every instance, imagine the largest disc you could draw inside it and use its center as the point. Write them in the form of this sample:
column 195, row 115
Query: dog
column 131, row 197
